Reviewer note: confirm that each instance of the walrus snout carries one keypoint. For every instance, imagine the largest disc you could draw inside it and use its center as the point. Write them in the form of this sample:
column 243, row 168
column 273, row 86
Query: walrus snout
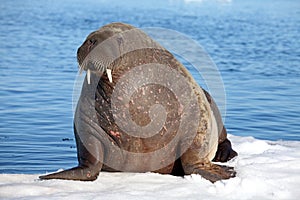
column 82, row 53
column 90, row 61
column 88, row 45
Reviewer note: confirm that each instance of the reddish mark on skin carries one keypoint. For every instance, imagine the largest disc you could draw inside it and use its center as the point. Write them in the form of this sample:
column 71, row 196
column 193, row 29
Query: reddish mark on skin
column 164, row 129
column 180, row 109
column 120, row 98
column 115, row 134
column 88, row 174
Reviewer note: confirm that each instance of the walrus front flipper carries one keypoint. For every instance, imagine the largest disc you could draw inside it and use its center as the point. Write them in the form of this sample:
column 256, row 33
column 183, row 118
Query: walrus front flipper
column 90, row 161
column 88, row 169
column 76, row 173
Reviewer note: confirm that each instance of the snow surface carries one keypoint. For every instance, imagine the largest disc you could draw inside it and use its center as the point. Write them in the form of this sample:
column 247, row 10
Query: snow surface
column 265, row 170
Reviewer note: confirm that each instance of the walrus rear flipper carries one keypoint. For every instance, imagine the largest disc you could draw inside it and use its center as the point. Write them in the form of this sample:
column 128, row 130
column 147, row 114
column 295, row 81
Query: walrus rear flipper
column 210, row 171
column 77, row 173
column 192, row 163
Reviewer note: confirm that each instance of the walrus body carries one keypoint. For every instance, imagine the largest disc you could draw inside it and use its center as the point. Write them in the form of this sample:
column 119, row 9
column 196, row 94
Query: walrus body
column 140, row 119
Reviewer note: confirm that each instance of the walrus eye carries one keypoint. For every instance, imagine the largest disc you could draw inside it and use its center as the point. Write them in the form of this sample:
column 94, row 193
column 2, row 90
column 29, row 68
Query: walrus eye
column 92, row 41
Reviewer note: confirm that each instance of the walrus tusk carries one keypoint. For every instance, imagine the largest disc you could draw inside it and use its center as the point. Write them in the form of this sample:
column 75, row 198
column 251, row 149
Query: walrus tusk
column 108, row 71
column 88, row 76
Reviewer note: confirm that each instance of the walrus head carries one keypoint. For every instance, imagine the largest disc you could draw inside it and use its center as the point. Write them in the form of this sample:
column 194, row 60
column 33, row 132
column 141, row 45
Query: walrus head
column 94, row 55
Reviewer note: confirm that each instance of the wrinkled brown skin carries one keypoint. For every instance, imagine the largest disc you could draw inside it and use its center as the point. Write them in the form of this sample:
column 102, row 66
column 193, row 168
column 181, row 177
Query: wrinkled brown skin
column 91, row 163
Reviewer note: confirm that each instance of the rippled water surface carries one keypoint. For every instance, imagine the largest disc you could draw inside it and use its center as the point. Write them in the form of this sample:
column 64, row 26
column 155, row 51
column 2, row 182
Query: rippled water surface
column 255, row 45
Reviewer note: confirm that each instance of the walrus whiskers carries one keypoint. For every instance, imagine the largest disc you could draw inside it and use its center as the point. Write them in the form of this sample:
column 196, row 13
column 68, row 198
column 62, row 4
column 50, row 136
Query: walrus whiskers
column 102, row 67
column 80, row 70
column 98, row 66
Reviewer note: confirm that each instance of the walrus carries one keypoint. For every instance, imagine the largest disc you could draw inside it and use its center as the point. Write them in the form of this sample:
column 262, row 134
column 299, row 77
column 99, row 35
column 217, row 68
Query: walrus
column 140, row 110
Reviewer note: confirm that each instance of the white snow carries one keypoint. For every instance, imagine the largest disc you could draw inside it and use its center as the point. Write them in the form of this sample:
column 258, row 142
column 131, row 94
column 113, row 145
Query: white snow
column 265, row 170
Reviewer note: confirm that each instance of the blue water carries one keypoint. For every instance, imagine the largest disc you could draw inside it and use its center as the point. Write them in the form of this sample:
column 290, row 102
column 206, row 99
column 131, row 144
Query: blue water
column 255, row 45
